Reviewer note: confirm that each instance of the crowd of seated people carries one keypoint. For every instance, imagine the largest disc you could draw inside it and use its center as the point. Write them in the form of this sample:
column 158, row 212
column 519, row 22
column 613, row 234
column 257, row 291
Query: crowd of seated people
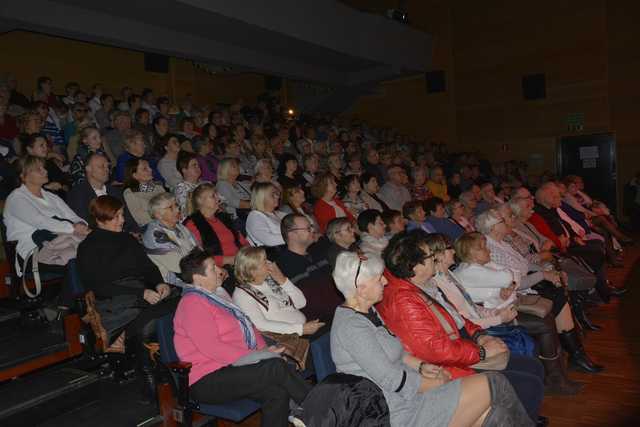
column 249, row 218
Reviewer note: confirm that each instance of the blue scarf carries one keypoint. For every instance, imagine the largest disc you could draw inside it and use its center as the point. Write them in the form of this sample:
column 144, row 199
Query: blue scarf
column 245, row 322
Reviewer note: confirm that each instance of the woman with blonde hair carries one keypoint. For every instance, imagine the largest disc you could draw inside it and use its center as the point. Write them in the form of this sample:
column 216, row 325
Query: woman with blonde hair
column 263, row 222
column 235, row 194
column 270, row 300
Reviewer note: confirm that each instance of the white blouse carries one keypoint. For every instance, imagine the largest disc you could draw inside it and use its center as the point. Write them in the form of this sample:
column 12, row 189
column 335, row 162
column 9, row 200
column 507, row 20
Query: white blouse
column 25, row 213
column 263, row 229
column 484, row 282
column 278, row 309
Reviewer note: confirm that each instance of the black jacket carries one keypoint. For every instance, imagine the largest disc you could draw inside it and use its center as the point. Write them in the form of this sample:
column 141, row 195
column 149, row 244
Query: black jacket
column 82, row 193
column 106, row 257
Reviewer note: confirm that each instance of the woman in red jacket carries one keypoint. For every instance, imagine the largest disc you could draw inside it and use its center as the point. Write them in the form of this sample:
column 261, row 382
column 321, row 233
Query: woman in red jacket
column 328, row 206
column 432, row 330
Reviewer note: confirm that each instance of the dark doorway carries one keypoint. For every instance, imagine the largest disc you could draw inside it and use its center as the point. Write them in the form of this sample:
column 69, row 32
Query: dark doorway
column 593, row 157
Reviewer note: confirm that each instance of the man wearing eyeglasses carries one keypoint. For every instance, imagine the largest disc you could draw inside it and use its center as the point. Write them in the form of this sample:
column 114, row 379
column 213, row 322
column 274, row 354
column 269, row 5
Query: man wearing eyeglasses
column 311, row 274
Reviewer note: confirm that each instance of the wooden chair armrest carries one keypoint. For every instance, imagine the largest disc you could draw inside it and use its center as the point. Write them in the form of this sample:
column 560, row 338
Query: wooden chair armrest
column 181, row 371
column 180, row 367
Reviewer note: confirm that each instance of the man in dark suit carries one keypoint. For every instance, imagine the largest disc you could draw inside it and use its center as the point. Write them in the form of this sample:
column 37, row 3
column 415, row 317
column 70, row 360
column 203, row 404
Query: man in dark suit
column 95, row 184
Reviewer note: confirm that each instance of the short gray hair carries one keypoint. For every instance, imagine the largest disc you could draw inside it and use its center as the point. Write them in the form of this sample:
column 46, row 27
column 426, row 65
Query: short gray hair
column 516, row 206
column 347, row 263
column 487, row 220
column 158, row 202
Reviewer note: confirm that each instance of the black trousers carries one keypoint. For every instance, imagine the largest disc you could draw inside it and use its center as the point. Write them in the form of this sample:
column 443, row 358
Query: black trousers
column 144, row 325
column 271, row 382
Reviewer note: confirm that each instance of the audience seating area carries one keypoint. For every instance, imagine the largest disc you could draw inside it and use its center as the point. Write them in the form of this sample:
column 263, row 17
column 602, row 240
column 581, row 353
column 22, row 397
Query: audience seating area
column 133, row 205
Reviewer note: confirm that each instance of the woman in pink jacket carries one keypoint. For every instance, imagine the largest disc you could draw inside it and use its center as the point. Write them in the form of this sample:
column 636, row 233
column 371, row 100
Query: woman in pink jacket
column 229, row 358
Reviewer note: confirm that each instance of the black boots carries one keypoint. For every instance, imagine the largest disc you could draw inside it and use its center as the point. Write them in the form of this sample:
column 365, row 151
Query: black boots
column 577, row 299
column 146, row 370
column 578, row 358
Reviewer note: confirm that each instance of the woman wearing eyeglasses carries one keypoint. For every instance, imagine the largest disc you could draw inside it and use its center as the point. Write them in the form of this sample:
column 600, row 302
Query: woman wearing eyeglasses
column 431, row 329
column 167, row 241
column 417, row 392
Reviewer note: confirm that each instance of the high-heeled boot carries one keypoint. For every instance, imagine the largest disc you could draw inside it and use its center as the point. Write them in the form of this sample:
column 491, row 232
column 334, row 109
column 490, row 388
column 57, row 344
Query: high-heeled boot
column 506, row 408
column 556, row 381
column 578, row 358
column 577, row 299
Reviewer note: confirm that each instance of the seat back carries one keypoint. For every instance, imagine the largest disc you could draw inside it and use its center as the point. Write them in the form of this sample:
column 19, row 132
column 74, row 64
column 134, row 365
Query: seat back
column 164, row 332
column 321, row 353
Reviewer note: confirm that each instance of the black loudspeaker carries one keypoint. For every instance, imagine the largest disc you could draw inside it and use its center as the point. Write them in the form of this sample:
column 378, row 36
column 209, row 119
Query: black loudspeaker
column 436, row 81
column 534, row 86
column 272, row 83
column 156, row 63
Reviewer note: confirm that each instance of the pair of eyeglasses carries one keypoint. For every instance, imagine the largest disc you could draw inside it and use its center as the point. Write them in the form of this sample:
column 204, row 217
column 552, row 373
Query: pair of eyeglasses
column 355, row 280
column 309, row 228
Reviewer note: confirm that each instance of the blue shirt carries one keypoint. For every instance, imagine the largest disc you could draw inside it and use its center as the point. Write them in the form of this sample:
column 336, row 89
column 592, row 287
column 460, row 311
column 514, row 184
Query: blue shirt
column 445, row 226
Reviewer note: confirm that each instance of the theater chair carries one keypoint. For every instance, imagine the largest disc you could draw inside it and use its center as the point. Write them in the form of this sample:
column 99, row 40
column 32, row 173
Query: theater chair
column 29, row 340
column 104, row 348
column 183, row 409
column 321, row 353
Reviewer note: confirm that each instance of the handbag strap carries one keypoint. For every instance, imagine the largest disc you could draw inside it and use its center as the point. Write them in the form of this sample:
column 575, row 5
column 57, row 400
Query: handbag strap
column 36, row 274
column 451, row 333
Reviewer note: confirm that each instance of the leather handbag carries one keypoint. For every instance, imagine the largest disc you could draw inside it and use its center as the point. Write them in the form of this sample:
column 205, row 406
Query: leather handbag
column 535, row 305
column 296, row 347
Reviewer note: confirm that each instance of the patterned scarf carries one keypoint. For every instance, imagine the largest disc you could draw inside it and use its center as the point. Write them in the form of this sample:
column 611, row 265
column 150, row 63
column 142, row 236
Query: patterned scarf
column 245, row 323
column 283, row 298
column 147, row 188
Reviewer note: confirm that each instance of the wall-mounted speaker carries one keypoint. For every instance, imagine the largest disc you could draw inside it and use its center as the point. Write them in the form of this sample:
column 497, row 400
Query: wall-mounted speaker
column 436, row 81
column 534, row 86
column 156, row 63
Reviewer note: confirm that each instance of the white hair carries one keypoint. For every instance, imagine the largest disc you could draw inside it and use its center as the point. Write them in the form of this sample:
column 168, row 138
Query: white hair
column 344, row 274
column 516, row 206
column 486, row 220
column 159, row 201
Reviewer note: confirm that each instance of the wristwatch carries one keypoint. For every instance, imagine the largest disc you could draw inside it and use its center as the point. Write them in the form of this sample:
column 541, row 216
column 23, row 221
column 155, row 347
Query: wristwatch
column 483, row 352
